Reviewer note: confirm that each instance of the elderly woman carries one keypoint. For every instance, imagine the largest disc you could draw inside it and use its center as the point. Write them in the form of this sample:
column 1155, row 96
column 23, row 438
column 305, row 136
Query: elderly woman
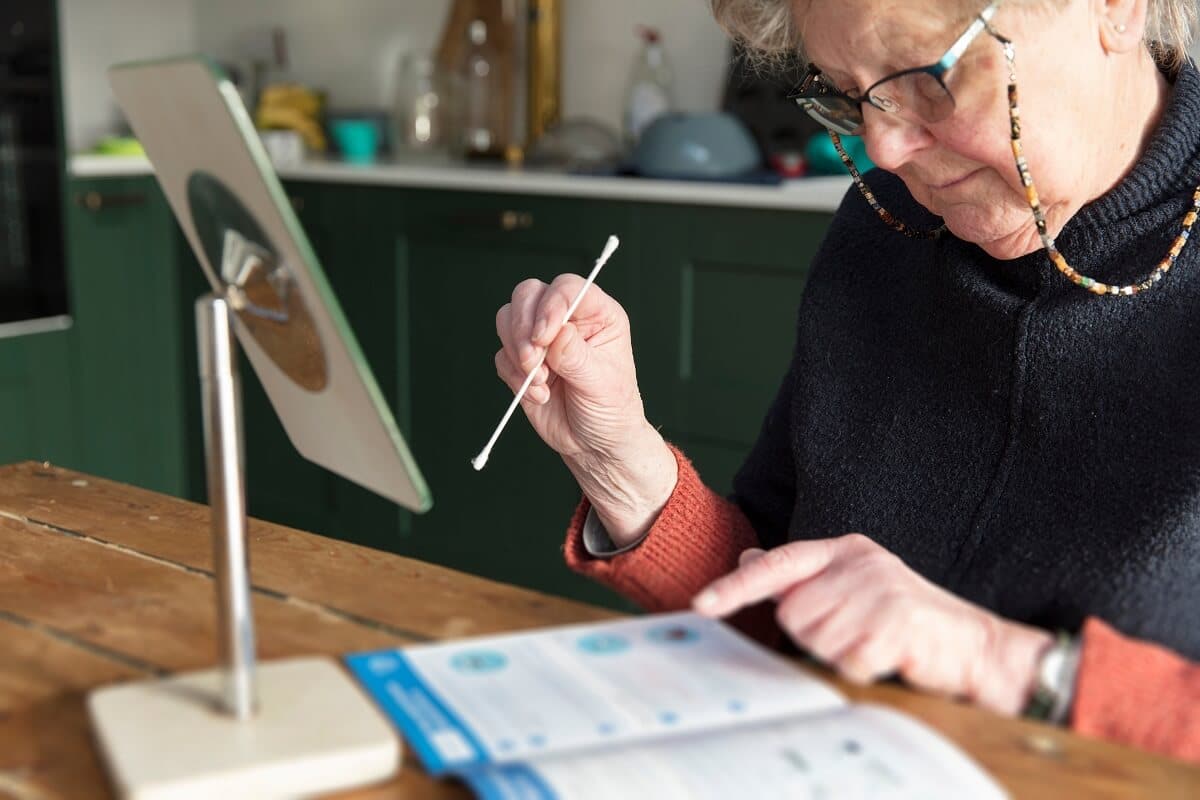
column 984, row 458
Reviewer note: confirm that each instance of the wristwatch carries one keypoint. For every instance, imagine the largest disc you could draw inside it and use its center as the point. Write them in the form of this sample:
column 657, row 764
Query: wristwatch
column 1054, row 685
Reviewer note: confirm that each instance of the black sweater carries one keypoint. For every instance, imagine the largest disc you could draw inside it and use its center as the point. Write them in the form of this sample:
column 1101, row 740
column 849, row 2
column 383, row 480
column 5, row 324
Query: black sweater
column 1028, row 445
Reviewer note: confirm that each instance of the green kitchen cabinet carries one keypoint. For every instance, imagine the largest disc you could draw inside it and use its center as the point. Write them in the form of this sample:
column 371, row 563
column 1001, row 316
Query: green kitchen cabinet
column 350, row 231
column 134, row 399
column 281, row 485
column 132, row 281
column 724, row 285
column 132, row 350
column 461, row 255
column 711, row 294
column 36, row 398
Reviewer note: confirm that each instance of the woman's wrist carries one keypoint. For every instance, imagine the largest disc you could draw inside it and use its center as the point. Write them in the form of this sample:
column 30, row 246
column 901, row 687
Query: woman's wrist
column 628, row 490
column 1009, row 670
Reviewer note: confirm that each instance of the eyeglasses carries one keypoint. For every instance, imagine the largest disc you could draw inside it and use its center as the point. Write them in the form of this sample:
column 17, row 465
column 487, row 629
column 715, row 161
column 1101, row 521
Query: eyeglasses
column 919, row 94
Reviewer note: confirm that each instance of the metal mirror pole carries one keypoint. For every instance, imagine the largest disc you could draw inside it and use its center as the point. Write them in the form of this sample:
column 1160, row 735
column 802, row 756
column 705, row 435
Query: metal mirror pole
column 221, row 399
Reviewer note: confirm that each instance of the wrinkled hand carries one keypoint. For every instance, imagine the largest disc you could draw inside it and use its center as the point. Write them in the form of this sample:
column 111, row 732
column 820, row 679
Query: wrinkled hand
column 584, row 400
column 861, row 610
column 595, row 406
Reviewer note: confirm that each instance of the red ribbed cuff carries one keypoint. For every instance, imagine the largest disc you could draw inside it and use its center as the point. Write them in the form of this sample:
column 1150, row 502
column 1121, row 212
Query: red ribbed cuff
column 697, row 538
column 1136, row 693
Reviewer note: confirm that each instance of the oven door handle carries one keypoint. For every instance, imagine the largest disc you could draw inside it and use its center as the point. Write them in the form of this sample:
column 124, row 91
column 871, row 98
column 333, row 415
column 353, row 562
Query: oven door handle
column 98, row 201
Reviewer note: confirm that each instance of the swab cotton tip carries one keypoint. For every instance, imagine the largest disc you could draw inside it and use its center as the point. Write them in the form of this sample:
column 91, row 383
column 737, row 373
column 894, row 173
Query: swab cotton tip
column 480, row 461
column 610, row 247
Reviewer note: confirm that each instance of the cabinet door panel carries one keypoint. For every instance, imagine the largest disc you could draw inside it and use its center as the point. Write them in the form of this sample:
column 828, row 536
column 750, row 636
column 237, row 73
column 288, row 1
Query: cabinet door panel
column 506, row 522
column 281, row 485
column 736, row 335
column 725, row 285
column 36, row 411
column 129, row 333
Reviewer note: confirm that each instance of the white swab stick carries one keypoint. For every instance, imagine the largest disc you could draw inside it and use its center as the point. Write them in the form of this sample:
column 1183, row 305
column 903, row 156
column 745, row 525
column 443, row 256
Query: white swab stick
column 480, row 461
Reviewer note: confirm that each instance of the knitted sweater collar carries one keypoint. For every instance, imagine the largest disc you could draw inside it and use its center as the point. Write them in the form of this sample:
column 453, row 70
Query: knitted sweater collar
column 1159, row 187
column 1170, row 164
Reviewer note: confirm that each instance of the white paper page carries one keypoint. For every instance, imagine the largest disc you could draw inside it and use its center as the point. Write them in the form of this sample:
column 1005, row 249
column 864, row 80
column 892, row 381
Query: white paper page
column 510, row 698
column 856, row 752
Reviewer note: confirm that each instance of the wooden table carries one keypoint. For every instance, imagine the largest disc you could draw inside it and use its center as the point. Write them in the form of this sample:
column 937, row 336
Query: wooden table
column 101, row 582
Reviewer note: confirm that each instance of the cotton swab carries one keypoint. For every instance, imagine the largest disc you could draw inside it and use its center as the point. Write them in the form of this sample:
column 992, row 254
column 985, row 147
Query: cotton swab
column 480, row 461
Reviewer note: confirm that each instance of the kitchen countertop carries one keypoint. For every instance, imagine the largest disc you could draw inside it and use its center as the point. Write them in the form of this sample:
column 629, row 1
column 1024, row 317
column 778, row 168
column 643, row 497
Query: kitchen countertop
column 806, row 194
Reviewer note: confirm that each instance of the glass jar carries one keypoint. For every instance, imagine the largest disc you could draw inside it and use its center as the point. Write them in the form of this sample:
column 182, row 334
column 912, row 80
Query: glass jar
column 423, row 104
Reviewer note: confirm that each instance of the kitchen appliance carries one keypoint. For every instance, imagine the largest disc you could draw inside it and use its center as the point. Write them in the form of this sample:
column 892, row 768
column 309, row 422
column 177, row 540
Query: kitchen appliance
column 33, row 287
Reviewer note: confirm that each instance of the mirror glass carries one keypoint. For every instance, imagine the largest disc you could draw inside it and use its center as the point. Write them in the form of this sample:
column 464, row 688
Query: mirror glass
column 257, row 282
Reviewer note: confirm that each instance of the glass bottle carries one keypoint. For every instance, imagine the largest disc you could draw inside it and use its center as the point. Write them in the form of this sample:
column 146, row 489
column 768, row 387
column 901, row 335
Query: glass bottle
column 481, row 93
column 650, row 92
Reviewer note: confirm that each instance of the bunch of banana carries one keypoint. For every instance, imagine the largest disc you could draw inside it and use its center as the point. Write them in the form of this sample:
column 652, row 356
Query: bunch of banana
column 287, row 106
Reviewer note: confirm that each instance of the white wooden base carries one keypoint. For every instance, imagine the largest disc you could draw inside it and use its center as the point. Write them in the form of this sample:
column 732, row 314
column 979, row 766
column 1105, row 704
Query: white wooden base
column 315, row 731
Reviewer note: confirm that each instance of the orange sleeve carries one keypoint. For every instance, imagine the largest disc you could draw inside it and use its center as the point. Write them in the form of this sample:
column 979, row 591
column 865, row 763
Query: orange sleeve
column 697, row 538
column 1137, row 693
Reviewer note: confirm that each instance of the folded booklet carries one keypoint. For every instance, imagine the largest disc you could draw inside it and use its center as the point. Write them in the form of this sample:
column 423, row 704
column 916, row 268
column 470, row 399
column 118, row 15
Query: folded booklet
column 660, row 706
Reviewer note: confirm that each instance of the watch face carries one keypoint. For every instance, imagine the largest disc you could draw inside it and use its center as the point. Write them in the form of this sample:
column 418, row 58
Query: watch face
column 1050, row 671
column 1055, row 686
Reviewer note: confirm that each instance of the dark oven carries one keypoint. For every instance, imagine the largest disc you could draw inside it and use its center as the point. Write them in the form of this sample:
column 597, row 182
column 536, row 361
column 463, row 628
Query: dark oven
column 33, row 290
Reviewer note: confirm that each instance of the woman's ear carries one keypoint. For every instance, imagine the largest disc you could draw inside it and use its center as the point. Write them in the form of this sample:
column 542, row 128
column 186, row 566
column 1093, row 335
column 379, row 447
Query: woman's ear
column 1122, row 24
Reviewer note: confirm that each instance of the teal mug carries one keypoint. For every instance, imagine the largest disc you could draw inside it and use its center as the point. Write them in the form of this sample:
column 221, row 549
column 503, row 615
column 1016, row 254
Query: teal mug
column 358, row 139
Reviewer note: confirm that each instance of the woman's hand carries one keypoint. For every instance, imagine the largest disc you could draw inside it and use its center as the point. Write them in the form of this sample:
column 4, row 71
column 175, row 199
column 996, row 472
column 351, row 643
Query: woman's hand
column 858, row 608
column 584, row 401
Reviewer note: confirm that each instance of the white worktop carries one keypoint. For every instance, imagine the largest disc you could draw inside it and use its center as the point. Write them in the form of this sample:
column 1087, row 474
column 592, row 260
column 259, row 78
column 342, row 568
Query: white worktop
column 806, row 194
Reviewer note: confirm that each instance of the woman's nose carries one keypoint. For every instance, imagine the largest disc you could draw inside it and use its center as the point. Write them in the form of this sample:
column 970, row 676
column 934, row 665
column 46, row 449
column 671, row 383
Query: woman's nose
column 891, row 140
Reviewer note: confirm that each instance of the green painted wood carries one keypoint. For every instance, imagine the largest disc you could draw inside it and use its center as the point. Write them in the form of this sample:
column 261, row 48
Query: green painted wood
column 368, row 275
column 508, row 521
column 724, row 286
column 711, row 294
column 128, row 335
column 280, row 484
column 350, row 231
column 36, row 412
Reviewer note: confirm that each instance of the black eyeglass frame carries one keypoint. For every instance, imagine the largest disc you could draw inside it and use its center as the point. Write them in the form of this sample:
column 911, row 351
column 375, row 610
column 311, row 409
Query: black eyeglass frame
column 812, row 88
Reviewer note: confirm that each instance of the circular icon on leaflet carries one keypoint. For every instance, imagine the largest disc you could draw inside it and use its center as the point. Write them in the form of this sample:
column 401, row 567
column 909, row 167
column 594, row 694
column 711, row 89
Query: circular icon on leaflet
column 479, row 661
column 603, row 644
column 673, row 634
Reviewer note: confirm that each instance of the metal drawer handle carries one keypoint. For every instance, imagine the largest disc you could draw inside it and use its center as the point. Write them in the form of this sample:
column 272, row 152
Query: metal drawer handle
column 516, row 220
column 95, row 201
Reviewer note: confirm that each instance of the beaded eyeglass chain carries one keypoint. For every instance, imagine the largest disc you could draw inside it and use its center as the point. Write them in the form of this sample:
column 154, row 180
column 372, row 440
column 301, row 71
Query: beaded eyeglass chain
column 1031, row 195
column 884, row 214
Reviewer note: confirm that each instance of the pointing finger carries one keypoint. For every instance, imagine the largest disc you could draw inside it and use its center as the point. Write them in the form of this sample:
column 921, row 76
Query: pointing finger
column 763, row 577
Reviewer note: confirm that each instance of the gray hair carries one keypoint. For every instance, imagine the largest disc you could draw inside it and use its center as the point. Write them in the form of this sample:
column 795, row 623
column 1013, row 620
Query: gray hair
column 767, row 28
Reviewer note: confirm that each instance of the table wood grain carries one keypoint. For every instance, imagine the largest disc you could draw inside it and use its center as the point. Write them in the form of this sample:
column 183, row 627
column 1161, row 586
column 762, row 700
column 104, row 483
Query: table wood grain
column 101, row 582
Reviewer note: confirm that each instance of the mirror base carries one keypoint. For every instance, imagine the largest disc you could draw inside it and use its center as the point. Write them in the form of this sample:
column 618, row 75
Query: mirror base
column 314, row 731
